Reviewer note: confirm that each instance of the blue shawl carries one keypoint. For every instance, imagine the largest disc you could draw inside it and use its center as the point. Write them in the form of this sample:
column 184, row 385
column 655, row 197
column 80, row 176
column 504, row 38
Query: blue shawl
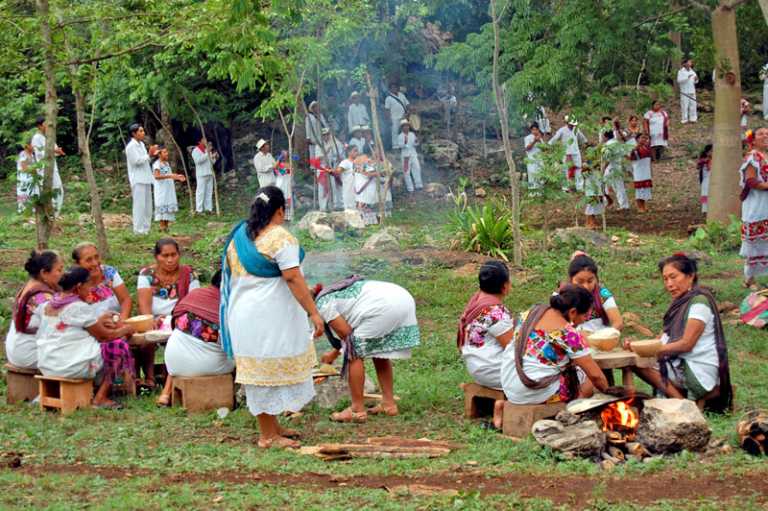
column 253, row 262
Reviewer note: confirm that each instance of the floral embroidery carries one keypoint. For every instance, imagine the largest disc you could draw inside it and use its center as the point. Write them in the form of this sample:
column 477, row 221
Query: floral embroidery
column 168, row 292
column 348, row 293
column 555, row 348
column 269, row 372
column 478, row 329
column 753, row 231
column 198, row 327
column 100, row 293
column 274, row 241
column 402, row 338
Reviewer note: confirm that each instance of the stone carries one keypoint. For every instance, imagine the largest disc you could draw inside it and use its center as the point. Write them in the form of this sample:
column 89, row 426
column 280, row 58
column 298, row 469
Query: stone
column 435, row 189
column 480, row 193
column 385, row 239
column 347, row 219
column 672, row 425
column 310, row 218
column 582, row 439
column 581, row 237
column 444, row 152
column 333, row 389
column 321, row 232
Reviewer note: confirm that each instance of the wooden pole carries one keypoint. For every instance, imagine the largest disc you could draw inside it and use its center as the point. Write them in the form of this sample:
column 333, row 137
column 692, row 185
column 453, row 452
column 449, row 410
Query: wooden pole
column 168, row 130
column 373, row 96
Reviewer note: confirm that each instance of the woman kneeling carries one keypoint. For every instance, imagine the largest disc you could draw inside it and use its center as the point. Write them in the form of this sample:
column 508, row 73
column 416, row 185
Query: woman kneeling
column 194, row 348
column 549, row 359
column 693, row 360
column 78, row 343
column 376, row 320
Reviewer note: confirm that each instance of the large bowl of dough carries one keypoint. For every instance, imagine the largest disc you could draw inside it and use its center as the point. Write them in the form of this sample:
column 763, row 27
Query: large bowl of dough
column 605, row 339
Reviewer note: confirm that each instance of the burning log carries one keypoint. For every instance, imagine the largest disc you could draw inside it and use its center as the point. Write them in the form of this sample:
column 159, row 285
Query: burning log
column 615, row 438
column 615, row 452
column 753, row 433
column 637, row 449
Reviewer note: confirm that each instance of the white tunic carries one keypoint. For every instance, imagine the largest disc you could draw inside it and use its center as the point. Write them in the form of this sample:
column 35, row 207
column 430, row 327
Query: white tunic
column 348, row 183
column 407, row 145
column 24, row 179
column 64, row 347
column 21, row 348
column 357, row 115
column 396, row 108
column 533, row 155
column 137, row 157
column 365, row 187
column 358, row 142
column 164, row 190
column 203, row 163
column 686, row 79
column 314, row 129
column 656, row 121
column 702, row 360
column 38, row 146
column 270, row 332
column 264, row 164
column 570, row 138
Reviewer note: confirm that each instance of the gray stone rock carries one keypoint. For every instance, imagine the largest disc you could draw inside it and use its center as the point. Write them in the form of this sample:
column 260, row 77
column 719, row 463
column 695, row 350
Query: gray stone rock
column 582, row 439
column 444, row 152
column 330, row 392
column 672, row 425
column 312, row 217
column 480, row 193
column 435, row 189
column 347, row 219
column 321, row 232
column 581, row 237
column 386, row 239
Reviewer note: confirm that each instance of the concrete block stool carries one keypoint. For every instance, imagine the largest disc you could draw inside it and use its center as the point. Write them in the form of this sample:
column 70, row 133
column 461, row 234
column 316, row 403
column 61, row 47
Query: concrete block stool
column 21, row 384
column 479, row 400
column 200, row 393
column 518, row 419
column 65, row 394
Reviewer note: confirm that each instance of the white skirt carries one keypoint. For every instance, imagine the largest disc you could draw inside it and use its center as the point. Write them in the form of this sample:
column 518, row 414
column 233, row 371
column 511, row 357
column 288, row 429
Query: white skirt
column 21, row 349
column 186, row 355
column 278, row 399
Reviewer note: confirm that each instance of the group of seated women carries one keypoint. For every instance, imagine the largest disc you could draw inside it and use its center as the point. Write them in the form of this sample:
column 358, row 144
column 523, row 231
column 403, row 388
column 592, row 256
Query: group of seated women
column 70, row 323
column 541, row 355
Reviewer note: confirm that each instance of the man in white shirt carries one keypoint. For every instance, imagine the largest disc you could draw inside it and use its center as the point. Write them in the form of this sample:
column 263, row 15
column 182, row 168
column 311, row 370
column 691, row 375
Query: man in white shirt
column 314, row 124
column 204, row 159
column 687, row 80
column 406, row 142
column 346, row 171
column 533, row 155
column 357, row 139
column 571, row 137
column 141, row 178
column 38, row 146
column 265, row 164
column 764, row 78
column 357, row 114
column 334, row 152
column 397, row 105
column 613, row 169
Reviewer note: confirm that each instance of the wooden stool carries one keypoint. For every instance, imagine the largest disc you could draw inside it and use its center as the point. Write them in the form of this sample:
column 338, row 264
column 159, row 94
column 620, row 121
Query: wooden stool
column 518, row 419
column 476, row 399
column 200, row 393
column 21, row 384
column 65, row 394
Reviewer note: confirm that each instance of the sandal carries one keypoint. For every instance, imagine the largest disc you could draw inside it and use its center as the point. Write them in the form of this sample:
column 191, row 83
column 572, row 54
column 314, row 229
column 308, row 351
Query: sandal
column 163, row 400
column 348, row 415
column 280, row 442
column 391, row 411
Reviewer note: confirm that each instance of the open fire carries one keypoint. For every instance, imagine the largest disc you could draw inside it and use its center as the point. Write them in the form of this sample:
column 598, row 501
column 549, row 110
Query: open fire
column 622, row 418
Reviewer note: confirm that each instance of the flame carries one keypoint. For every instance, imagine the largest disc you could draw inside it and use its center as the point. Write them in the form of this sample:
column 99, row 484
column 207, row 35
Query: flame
column 620, row 415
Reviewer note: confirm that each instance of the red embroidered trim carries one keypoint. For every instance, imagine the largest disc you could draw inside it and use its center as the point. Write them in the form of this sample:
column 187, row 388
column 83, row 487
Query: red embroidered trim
column 643, row 184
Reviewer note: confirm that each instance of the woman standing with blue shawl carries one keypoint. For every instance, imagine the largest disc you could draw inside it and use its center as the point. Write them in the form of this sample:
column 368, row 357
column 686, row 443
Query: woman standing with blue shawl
column 264, row 306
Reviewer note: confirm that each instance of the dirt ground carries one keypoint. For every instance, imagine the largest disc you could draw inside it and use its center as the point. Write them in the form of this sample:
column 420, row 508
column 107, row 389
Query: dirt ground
column 575, row 491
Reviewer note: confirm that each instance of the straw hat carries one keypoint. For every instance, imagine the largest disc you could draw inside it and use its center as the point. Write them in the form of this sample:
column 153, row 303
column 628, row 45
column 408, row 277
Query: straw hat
column 357, row 127
column 354, row 94
column 570, row 119
column 313, row 105
column 365, row 127
column 405, row 122
column 260, row 143
column 325, row 131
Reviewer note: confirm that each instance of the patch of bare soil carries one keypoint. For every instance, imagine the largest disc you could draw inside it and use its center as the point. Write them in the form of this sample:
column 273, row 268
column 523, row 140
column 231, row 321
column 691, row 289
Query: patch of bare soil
column 574, row 491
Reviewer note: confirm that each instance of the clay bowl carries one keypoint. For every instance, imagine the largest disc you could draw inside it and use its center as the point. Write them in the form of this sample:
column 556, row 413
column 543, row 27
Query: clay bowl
column 606, row 339
column 142, row 323
column 647, row 349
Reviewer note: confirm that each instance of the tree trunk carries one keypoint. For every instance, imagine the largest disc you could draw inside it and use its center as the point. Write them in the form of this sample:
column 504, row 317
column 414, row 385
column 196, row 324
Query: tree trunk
column 724, row 187
column 381, row 155
column 764, row 8
column 165, row 120
column 676, row 58
column 84, row 145
column 501, row 106
column 44, row 208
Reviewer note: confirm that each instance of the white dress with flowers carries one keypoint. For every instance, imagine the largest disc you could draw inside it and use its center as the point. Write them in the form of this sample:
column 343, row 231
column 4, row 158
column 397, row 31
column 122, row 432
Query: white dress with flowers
column 482, row 352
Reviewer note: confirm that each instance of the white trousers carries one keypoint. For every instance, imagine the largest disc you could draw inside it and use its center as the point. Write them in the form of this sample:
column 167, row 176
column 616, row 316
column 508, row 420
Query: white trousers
column 395, row 131
column 58, row 200
column 323, row 194
column 621, row 193
column 688, row 108
column 338, row 193
column 142, row 208
column 413, row 176
column 204, row 194
column 533, row 170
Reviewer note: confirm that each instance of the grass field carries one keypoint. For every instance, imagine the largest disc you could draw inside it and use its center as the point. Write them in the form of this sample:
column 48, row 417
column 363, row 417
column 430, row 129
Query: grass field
column 148, row 458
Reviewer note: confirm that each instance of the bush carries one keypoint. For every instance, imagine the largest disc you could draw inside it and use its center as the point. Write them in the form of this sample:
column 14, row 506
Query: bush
column 486, row 229
column 718, row 237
